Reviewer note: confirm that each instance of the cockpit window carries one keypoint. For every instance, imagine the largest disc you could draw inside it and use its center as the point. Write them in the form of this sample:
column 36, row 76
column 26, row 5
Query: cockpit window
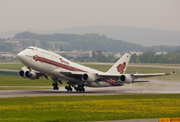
column 31, row 48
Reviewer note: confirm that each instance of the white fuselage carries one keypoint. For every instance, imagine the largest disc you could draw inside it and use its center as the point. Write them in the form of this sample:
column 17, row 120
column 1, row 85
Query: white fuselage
column 41, row 62
column 52, row 64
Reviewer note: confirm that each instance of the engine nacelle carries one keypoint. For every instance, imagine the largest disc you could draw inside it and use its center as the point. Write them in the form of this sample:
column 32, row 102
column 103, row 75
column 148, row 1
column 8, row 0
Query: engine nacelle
column 126, row 78
column 88, row 78
column 26, row 73
column 31, row 75
column 22, row 72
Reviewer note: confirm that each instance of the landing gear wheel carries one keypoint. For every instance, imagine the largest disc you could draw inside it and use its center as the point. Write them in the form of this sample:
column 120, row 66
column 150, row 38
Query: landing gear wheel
column 80, row 88
column 68, row 88
column 55, row 86
column 75, row 88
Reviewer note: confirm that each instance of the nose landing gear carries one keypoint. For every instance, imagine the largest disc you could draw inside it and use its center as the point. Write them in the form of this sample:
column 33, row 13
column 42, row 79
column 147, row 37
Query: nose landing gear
column 55, row 86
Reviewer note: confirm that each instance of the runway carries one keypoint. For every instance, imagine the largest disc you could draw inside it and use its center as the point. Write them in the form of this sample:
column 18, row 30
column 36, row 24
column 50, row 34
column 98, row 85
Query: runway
column 153, row 87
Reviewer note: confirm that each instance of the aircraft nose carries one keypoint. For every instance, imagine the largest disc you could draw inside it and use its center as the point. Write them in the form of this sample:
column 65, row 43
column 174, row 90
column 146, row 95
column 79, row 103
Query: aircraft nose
column 21, row 55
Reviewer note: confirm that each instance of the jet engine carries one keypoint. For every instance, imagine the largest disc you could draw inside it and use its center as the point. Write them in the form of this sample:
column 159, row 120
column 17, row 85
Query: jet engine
column 127, row 78
column 26, row 73
column 88, row 78
column 31, row 75
column 22, row 72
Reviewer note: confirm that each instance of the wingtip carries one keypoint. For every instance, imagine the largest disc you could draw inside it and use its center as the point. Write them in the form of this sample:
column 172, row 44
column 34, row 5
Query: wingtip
column 171, row 73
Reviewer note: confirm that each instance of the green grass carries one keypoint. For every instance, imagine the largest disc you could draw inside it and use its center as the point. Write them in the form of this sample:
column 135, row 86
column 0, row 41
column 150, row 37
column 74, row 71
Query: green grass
column 23, row 87
column 89, row 108
column 11, row 66
column 18, row 81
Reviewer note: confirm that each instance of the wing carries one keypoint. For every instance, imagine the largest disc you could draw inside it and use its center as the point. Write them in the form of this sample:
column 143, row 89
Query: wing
column 73, row 74
column 136, row 75
column 126, row 78
column 152, row 75
column 130, row 78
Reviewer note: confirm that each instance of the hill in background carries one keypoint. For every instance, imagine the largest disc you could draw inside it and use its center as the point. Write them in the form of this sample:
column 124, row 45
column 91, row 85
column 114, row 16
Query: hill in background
column 70, row 42
column 143, row 36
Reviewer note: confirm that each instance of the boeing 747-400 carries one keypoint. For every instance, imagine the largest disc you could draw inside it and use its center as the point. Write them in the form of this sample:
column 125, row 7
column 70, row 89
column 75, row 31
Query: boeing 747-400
column 39, row 62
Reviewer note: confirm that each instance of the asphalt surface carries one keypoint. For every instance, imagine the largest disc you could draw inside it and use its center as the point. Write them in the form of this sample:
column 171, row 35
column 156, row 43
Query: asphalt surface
column 153, row 87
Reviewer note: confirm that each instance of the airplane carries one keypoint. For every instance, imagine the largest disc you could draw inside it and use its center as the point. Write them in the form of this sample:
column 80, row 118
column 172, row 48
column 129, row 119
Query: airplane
column 42, row 63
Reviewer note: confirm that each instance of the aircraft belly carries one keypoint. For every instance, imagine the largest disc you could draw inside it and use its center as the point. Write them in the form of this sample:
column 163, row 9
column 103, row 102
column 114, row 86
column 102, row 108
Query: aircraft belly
column 99, row 84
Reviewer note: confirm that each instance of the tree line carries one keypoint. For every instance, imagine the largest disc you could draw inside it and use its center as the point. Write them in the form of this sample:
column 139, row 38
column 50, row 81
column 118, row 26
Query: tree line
column 151, row 57
column 146, row 57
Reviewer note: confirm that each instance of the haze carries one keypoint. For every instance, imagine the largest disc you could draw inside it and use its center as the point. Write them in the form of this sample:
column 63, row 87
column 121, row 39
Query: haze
column 60, row 14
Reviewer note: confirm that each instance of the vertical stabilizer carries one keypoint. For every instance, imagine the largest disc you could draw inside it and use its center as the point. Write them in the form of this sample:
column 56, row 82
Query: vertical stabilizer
column 120, row 66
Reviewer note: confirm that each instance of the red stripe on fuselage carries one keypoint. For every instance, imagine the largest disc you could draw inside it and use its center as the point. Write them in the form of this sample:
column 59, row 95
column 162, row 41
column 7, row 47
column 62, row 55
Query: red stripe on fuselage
column 58, row 64
column 112, row 83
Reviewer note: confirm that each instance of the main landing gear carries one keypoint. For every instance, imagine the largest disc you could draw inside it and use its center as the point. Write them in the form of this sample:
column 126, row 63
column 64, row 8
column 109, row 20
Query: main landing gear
column 68, row 88
column 80, row 88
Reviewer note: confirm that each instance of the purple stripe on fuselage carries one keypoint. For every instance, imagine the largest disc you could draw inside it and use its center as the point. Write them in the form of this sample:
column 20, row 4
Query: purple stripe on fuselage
column 112, row 83
column 58, row 64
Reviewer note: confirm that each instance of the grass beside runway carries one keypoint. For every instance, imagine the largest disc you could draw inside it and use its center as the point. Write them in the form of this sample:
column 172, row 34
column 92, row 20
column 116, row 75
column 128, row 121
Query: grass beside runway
column 11, row 66
column 89, row 108
column 18, row 81
column 23, row 87
column 25, row 83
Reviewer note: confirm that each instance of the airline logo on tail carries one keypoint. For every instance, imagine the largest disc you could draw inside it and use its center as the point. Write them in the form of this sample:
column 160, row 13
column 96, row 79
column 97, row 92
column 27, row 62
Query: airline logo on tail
column 121, row 67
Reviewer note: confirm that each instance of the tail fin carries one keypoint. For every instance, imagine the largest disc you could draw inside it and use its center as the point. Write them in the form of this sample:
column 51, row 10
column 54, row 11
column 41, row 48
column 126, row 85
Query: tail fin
column 120, row 66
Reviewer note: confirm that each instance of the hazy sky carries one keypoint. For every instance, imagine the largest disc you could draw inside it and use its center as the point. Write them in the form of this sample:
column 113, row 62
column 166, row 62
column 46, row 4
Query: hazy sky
column 59, row 14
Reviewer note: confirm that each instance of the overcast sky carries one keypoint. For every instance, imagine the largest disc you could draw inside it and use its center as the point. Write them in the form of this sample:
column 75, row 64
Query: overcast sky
column 60, row 14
